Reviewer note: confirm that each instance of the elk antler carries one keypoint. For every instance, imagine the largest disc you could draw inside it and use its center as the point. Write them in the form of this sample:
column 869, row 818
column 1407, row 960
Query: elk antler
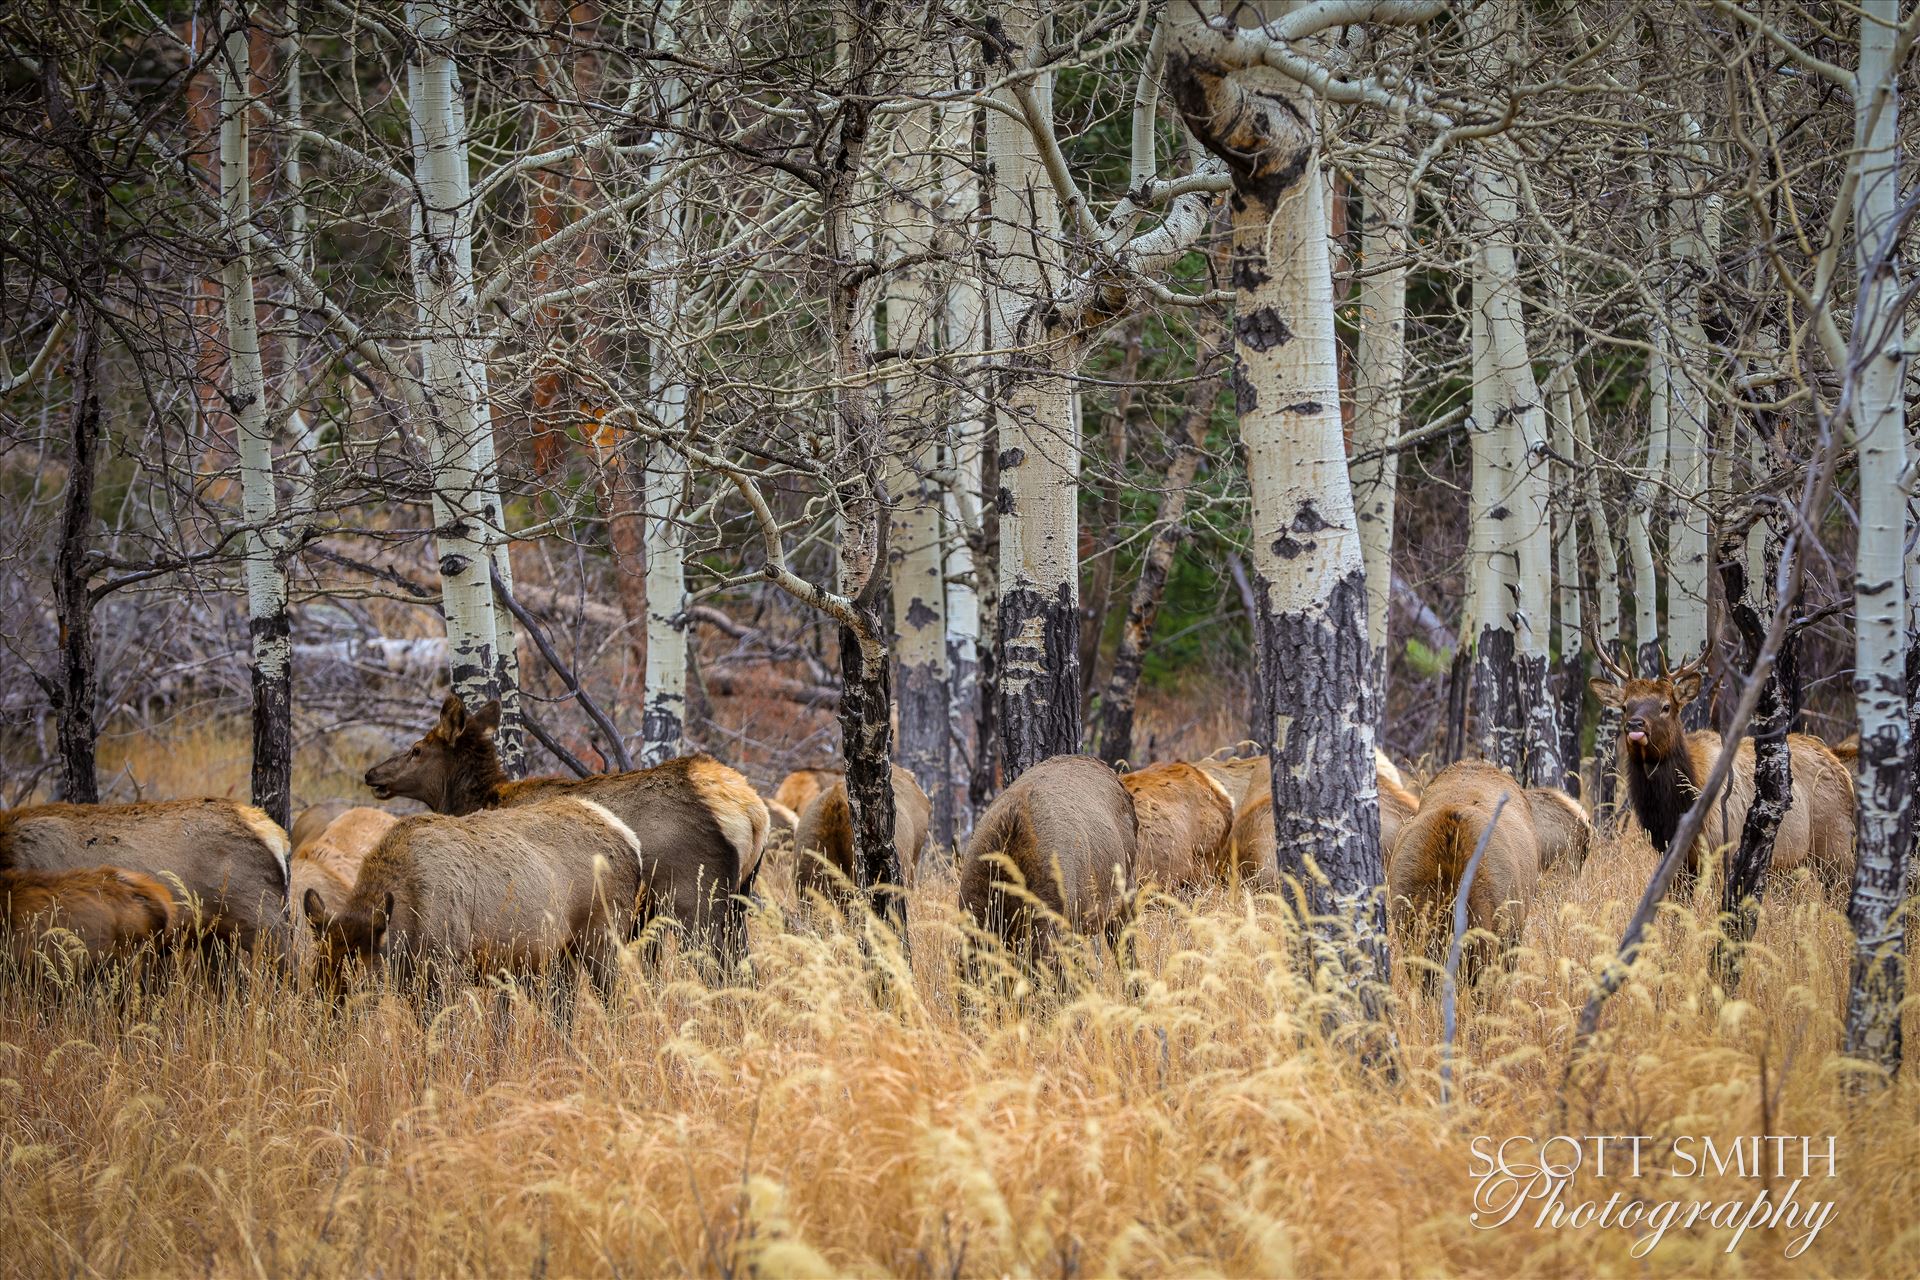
column 1614, row 669
column 1686, row 668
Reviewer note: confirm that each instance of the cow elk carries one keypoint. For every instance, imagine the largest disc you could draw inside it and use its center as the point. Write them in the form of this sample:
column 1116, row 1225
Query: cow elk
column 823, row 838
column 798, row 789
column 701, row 827
column 1055, row 849
column 1248, row 778
column 225, row 864
column 1430, row 860
column 328, row 863
column 1186, row 817
column 92, row 915
column 525, row 891
column 1665, row 767
column 1253, row 858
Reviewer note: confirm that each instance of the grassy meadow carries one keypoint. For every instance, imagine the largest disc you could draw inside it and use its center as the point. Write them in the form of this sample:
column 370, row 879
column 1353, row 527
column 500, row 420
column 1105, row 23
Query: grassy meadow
column 819, row 1122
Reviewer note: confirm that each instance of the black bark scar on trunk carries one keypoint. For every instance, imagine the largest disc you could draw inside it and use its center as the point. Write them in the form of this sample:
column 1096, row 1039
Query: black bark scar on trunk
column 273, row 725
column 1040, row 707
column 1496, row 699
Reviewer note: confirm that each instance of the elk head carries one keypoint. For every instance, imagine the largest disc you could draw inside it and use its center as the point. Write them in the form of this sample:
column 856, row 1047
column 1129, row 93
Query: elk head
column 453, row 769
column 345, row 939
column 1650, row 725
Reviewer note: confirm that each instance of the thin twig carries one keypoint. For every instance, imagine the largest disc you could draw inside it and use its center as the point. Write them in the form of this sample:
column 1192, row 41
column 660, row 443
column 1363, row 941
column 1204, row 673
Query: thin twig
column 1449, row 992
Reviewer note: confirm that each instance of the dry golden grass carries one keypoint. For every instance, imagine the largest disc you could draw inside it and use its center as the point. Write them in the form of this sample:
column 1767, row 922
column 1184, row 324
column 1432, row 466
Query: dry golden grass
column 814, row 1123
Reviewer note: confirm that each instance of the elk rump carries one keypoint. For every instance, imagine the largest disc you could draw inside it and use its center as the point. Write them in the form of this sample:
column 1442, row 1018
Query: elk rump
column 1185, row 817
column 520, row 891
column 823, row 840
column 1056, row 847
column 109, row 911
column 228, row 860
column 1430, row 860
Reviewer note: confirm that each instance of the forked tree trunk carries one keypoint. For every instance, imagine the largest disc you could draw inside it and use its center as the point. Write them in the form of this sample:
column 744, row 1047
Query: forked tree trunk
column 1309, row 579
column 1878, row 370
column 467, row 517
column 1381, row 366
column 267, row 548
column 1143, row 606
column 963, row 511
column 1038, row 622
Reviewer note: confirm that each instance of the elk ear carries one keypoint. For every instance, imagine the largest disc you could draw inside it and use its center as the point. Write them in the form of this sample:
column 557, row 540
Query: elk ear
column 316, row 909
column 1686, row 687
column 453, row 716
column 1607, row 691
column 486, row 720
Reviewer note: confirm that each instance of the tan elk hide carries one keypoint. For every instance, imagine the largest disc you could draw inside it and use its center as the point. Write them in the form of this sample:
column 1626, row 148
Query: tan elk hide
column 329, row 861
column 823, row 839
column 107, row 911
column 1247, row 778
column 1185, row 817
column 225, row 864
column 1431, row 856
column 1561, row 826
column 1057, row 847
column 798, row 789
column 514, row 890
column 1252, row 859
column 701, row 827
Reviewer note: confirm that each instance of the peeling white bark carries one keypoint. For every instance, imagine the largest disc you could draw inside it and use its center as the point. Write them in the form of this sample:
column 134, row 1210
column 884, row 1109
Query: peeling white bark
column 466, row 503
column 1380, row 367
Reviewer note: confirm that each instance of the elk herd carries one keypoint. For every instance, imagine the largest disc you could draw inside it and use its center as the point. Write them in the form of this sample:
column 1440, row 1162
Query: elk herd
column 551, row 876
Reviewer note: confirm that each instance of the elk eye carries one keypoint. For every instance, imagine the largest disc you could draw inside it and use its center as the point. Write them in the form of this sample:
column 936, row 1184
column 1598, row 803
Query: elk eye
column 1666, row 708
column 414, row 754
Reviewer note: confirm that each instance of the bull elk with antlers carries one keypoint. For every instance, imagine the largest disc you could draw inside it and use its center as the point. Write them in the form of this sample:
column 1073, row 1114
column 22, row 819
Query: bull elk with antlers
column 1664, row 767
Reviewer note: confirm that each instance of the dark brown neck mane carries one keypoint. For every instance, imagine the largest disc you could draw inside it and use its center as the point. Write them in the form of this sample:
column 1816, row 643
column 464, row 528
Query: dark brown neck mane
column 476, row 784
column 1661, row 791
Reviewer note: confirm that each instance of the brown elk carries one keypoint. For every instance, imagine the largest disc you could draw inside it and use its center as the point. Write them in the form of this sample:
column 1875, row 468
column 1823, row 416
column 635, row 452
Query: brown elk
column 823, row 839
column 701, row 827
column 1056, row 847
column 798, row 789
column 1665, row 766
column 1562, row 827
column 1247, row 778
column 315, row 818
column 522, row 891
column 1253, row 860
column 1430, row 859
column 109, row 911
column 1185, row 816
column 328, row 863
column 224, row 863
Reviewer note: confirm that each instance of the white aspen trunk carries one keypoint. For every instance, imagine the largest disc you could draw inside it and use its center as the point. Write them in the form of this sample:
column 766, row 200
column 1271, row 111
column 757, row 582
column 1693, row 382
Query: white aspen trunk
column 1877, row 367
column 1570, row 635
column 1695, row 253
column 266, row 568
column 1379, row 368
column 1309, row 575
column 466, row 502
column 1038, row 614
column 1640, row 505
column 1497, row 731
column 962, row 502
column 1607, row 594
column 663, row 716
column 1523, row 458
column 915, row 563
